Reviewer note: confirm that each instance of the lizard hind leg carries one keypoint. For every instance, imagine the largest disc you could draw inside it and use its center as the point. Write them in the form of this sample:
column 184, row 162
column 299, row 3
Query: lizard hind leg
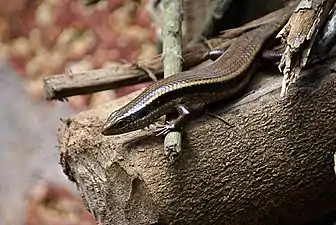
column 213, row 54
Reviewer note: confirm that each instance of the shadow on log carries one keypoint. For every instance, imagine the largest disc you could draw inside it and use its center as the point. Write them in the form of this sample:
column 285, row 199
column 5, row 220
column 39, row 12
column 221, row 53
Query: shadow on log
column 274, row 166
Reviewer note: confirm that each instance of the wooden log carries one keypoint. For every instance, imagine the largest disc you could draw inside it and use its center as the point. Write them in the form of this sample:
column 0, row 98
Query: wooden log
column 273, row 166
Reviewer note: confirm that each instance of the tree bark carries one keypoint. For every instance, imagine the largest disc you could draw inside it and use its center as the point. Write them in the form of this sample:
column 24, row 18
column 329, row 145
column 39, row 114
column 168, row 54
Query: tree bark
column 273, row 166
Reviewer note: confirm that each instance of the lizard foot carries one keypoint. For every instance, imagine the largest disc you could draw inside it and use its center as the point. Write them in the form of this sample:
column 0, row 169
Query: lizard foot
column 164, row 129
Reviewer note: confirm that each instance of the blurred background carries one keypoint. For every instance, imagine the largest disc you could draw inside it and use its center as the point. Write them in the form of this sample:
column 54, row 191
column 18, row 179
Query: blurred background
column 41, row 38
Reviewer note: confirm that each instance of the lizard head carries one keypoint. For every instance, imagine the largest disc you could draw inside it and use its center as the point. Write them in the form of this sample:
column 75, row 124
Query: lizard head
column 119, row 122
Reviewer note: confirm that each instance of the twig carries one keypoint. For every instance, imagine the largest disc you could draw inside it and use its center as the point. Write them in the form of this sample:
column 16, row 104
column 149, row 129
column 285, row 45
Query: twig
column 58, row 87
column 172, row 62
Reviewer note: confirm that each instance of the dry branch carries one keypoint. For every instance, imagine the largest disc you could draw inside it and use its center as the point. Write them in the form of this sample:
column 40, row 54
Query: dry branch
column 299, row 35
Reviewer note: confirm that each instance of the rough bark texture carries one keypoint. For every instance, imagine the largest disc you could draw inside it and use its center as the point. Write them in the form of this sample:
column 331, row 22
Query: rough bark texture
column 274, row 166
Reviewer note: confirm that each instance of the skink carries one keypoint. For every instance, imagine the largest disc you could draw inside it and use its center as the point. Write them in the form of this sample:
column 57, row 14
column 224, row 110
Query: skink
column 222, row 79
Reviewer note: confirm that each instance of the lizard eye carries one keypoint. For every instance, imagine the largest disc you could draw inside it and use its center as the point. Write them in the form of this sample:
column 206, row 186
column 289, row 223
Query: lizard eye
column 121, row 124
